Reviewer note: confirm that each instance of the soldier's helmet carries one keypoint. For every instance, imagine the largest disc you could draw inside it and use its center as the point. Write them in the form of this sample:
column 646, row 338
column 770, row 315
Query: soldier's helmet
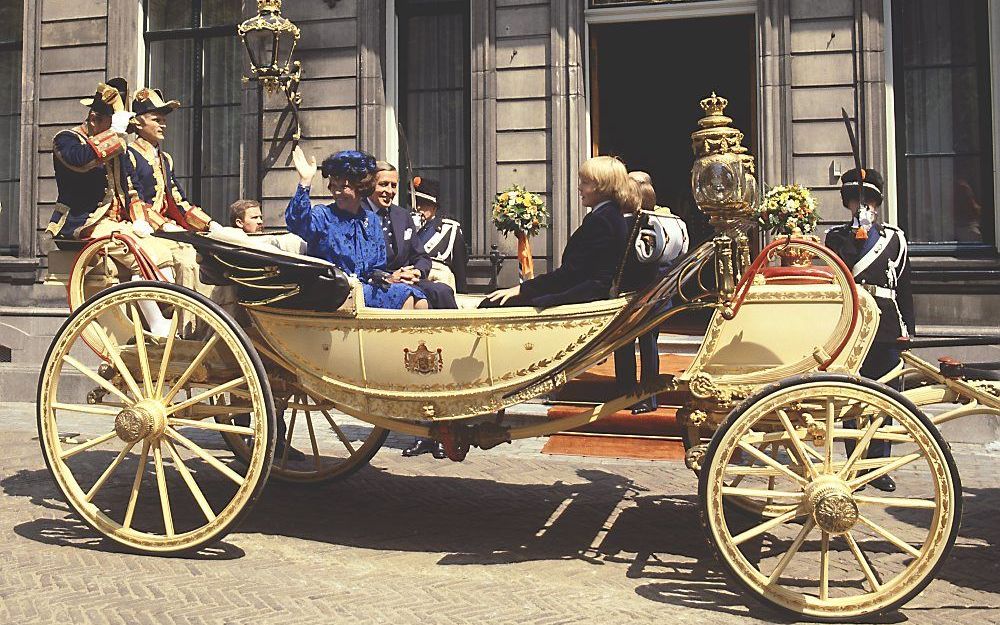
column 869, row 180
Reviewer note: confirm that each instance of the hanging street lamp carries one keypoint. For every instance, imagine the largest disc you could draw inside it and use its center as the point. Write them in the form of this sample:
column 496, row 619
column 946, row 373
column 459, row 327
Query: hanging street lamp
column 270, row 41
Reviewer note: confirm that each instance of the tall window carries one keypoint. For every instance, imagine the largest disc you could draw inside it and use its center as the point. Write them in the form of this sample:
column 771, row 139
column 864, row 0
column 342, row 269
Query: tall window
column 193, row 55
column 943, row 120
column 434, row 84
column 11, row 13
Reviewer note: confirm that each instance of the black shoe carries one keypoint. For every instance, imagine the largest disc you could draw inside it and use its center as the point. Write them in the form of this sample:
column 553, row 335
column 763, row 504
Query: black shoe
column 885, row 484
column 420, row 446
column 643, row 407
column 293, row 454
column 439, row 451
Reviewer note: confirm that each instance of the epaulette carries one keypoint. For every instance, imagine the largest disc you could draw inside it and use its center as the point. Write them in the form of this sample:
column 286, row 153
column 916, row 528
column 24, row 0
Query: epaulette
column 837, row 227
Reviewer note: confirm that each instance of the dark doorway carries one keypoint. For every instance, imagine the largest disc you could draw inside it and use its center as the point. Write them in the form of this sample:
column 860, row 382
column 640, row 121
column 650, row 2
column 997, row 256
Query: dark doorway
column 646, row 81
column 434, row 84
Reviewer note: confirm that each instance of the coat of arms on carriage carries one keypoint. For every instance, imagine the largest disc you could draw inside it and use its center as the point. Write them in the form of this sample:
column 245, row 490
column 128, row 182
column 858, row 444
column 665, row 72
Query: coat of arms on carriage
column 423, row 360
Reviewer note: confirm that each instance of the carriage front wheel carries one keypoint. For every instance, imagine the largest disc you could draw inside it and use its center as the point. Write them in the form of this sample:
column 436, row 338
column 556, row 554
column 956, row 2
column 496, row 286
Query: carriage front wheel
column 838, row 549
column 134, row 442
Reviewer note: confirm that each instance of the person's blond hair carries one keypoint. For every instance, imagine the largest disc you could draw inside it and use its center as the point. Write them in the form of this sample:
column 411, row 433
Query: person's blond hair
column 631, row 197
column 646, row 190
column 609, row 175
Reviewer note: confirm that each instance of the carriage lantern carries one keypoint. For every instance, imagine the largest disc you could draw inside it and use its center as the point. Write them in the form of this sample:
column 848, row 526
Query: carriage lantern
column 270, row 41
column 722, row 179
column 724, row 187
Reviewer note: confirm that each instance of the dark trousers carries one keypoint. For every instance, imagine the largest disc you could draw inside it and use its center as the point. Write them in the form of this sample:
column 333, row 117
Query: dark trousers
column 439, row 295
column 649, row 358
column 881, row 359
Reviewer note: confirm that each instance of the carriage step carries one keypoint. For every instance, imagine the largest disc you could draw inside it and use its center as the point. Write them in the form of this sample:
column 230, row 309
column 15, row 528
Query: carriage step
column 615, row 446
column 660, row 422
column 597, row 384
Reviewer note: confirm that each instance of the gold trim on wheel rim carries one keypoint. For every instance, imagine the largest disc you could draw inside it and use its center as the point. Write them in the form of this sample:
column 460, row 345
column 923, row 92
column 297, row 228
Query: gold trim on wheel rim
column 837, row 551
column 152, row 477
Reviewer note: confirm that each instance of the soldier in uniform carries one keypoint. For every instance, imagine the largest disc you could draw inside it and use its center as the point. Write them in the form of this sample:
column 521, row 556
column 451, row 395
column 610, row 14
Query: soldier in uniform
column 91, row 173
column 441, row 237
column 877, row 255
column 157, row 203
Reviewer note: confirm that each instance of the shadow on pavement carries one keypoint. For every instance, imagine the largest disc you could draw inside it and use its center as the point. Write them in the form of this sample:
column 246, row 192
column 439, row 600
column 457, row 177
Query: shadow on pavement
column 602, row 518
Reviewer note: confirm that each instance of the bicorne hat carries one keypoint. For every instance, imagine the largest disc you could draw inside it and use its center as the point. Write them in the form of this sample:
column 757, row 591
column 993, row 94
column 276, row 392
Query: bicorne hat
column 151, row 100
column 867, row 182
column 110, row 97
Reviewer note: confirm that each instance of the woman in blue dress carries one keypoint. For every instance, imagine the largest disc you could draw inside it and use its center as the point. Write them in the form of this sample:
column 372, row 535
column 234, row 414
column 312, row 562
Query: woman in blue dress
column 347, row 233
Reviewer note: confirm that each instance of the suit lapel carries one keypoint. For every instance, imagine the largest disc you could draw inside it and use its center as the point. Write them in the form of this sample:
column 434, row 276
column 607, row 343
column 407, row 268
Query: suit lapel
column 398, row 228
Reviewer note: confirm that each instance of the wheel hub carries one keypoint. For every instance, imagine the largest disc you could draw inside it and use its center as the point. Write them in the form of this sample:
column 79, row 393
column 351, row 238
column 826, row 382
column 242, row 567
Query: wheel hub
column 833, row 506
column 147, row 419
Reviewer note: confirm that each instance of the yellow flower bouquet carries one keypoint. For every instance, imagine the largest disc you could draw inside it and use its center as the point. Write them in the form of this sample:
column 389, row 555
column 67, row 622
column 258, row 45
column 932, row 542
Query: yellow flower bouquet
column 788, row 209
column 523, row 213
column 518, row 211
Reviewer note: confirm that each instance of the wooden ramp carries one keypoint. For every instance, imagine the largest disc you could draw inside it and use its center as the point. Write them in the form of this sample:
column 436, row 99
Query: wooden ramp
column 650, row 436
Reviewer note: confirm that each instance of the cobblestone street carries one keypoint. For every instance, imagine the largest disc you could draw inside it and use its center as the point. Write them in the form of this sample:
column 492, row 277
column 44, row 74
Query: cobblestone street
column 509, row 536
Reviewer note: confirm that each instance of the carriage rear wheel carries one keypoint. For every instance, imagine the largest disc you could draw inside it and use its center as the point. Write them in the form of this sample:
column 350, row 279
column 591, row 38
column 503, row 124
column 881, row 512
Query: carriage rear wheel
column 93, row 271
column 133, row 443
column 331, row 445
column 828, row 548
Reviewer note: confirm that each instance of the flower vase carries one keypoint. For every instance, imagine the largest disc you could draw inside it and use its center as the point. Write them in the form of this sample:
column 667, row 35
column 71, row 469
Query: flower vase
column 525, row 264
column 798, row 257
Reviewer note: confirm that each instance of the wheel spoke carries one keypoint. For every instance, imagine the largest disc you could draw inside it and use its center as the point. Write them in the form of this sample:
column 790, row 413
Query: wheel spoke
column 774, row 464
column 107, row 472
column 136, row 483
column 760, row 492
column 288, row 439
column 190, row 481
column 766, row 525
column 340, row 433
column 824, row 565
column 90, row 373
column 792, row 550
column 140, row 346
column 312, row 439
column 116, row 359
column 889, row 536
column 797, row 443
column 211, row 425
column 204, row 455
column 86, row 409
column 161, row 485
column 828, row 460
column 863, row 562
column 94, row 442
column 181, row 381
column 897, row 502
column 861, row 447
column 165, row 359
column 200, row 397
column 860, row 481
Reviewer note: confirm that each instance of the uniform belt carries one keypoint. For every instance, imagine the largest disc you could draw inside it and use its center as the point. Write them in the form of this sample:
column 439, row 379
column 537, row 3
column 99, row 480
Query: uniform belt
column 880, row 291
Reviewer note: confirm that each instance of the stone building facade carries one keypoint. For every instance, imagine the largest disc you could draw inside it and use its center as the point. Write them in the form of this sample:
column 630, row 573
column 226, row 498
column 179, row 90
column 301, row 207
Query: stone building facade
column 487, row 93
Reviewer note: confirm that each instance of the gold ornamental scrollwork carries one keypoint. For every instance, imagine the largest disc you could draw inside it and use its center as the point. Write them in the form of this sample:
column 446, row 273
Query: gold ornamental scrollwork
column 422, row 360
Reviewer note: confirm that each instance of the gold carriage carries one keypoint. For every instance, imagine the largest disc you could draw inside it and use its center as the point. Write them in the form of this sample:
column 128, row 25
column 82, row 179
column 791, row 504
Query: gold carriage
column 772, row 401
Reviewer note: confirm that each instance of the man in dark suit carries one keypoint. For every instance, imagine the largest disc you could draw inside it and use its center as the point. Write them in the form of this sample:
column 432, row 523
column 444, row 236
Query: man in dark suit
column 406, row 259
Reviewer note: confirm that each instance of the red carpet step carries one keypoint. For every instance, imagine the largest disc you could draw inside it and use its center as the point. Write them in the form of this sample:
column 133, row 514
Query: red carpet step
column 650, row 436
